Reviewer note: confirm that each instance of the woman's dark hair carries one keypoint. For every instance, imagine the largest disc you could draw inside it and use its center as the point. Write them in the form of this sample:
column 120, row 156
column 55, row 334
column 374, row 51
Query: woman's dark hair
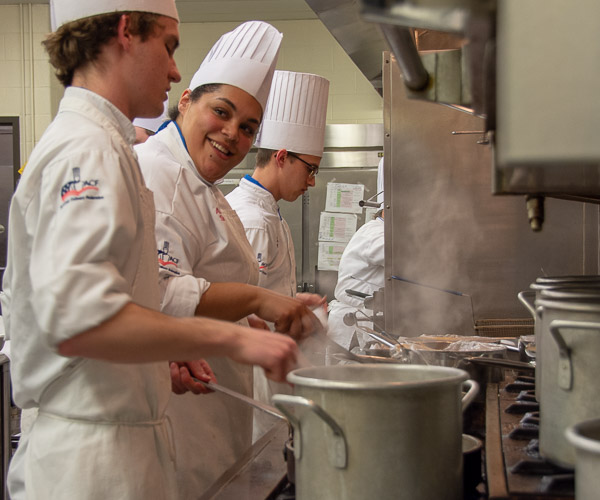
column 79, row 42
column 195, row 95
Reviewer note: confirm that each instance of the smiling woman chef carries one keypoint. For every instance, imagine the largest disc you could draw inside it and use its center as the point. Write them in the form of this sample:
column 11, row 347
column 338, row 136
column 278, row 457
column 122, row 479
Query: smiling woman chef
column 206, row 264
column 81, row 287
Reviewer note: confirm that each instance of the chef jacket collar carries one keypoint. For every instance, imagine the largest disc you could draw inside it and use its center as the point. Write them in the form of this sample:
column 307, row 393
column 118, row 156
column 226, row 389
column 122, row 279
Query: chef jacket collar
column 251, row 179
column 254, row 181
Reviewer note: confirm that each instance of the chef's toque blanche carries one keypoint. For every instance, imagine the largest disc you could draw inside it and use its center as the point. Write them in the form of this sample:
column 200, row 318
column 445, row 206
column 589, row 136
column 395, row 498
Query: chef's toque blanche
column 65, row 11
column 153, row 124
column 296, row 113
column 245, row 58
column 380, row 182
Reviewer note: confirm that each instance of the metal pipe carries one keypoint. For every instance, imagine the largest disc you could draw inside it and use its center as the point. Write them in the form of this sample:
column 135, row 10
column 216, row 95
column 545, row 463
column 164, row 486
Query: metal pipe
column 403, row 46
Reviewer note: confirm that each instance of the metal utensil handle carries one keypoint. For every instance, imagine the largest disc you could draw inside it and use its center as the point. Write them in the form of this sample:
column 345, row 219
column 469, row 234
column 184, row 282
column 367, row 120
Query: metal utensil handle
column 338, row 453
column 471, row 393
column 526, row 298
column 380, row 339
column 252, row 402
column 502, row 363
column 565, row 363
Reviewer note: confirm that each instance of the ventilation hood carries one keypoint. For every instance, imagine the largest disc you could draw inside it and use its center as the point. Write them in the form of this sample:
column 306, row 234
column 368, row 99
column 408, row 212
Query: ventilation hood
column 363, row 41
column 527, row 67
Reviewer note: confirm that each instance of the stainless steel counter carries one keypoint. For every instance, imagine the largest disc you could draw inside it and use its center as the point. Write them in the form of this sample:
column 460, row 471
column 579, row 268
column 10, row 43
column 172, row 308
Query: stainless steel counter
column 259, row 474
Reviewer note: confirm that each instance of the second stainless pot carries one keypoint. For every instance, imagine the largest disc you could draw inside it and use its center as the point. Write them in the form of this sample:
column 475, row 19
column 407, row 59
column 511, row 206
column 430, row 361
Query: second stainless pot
column 570, row 371
column 377, row 431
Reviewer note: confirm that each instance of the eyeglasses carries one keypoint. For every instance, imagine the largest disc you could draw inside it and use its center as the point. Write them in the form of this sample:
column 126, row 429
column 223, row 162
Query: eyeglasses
column 312, row 169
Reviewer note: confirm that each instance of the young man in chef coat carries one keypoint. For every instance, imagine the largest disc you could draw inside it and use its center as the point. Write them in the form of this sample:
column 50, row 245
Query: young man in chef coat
column 290, row 141
column 80, row 295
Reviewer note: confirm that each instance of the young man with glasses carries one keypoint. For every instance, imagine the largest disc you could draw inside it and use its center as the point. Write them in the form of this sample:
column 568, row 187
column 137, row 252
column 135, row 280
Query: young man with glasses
column 290, row 143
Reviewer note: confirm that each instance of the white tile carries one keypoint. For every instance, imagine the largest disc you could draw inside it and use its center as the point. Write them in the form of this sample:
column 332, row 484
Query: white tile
column 10, row 101
column 10, row 74
column 41, row 18
column 10, row 19
column 12, row 46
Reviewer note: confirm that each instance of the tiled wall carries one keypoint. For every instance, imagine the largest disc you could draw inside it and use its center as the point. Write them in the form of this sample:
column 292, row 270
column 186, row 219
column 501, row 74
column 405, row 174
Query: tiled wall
column 28, row 88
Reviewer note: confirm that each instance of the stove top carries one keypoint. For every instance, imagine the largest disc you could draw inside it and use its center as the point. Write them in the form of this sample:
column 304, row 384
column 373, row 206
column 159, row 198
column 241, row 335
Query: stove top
column 514, row 467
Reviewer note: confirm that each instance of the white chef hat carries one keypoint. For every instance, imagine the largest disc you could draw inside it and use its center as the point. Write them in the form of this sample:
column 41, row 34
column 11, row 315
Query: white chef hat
column 380, row 182
column 245, row 58
column 296, row 113
column 65, row 11
column 153, row 124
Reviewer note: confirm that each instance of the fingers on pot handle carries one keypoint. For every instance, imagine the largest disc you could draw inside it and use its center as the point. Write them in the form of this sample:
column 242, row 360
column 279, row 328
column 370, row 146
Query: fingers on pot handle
column 338, row 452
column 471, row 393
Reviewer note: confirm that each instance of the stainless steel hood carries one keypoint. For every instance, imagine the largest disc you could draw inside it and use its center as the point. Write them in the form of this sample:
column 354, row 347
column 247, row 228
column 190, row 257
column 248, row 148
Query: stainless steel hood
column 527, row 67
column 361, row 40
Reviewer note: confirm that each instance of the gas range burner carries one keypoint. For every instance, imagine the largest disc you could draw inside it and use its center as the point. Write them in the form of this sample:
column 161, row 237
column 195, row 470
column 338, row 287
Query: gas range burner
column 513, row 461
column 528, row 428
column 522, row 407
column 520, row 385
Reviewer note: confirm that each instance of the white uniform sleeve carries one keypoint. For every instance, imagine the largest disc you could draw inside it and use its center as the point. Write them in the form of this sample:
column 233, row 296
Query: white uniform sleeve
column 374, row 253
column 77, row 251
column 178, row 250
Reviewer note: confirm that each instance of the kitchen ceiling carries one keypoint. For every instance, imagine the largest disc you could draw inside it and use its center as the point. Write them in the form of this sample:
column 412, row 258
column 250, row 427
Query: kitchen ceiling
column 205, row 11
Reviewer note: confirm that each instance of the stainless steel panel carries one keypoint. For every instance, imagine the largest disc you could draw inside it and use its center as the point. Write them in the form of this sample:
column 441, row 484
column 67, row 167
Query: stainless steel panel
column 9, row 164
column 445, row 229
column 5, row 437
column 547, row 98
column 361, row 40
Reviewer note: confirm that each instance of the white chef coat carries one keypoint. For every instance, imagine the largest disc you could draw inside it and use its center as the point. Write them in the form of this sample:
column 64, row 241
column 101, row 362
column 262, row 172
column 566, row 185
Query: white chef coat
column 200, row 240
column 81, row 246
column 361, row 269
column 268, row 234
column 270, row 237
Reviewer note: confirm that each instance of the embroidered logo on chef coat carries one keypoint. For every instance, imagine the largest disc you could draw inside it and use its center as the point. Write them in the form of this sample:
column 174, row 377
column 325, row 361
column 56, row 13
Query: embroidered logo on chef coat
column 167, row 261
column 262, row 265
column 218, row 212
column 79, row 189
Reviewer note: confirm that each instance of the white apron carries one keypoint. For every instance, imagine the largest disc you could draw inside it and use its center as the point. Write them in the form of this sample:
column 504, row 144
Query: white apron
column 207, row 240
column 101, row 431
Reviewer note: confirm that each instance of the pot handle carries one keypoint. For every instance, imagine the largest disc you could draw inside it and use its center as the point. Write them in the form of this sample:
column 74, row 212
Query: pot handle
column 338, row 453
column 565, row 363
column 471, row 393
column 527, row 297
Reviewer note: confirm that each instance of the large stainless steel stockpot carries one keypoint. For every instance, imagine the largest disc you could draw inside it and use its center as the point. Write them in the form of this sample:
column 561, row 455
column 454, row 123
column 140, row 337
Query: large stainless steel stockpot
column 585, row 437
column 529, row 297
column 570, row 370
column 377, row 431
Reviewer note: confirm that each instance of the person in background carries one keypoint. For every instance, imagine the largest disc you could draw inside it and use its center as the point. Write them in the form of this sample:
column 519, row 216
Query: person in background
column 206, row 264
column 146, row 127
column 290, row 142
column 80, row 294
column 361, row 269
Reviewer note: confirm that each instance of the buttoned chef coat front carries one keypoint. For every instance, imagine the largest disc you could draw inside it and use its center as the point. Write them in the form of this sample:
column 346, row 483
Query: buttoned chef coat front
column 200, row 240
column 81, row 247
column 268, row 234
